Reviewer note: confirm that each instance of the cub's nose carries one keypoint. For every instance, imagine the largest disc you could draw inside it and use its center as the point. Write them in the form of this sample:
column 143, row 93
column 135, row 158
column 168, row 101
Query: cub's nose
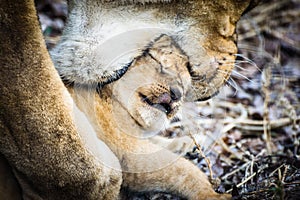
column 164, row 103
column 164, row 98
column 169, row 97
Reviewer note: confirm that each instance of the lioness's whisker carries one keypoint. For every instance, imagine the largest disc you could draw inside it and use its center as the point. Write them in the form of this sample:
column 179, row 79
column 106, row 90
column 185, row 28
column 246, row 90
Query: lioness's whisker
column 233, row 84
column 237, row 74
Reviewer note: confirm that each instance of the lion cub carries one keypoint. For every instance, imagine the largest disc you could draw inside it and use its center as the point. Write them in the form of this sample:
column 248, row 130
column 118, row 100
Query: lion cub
column 129, row 111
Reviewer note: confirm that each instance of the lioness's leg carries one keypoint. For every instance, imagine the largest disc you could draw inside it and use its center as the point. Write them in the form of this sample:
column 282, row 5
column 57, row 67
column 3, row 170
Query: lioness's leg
column 9, row 187
column 38, row 135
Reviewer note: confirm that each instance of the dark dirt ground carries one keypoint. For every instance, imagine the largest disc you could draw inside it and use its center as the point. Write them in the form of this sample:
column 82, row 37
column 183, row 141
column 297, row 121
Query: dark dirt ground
column 256, row 116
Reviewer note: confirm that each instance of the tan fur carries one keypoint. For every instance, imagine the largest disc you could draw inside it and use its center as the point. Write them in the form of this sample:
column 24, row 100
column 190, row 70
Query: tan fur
column 38, row 137
column 50, row 156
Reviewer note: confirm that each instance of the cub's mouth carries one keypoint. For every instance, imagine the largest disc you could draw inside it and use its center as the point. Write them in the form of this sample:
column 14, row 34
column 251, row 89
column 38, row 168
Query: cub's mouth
column 163, row 102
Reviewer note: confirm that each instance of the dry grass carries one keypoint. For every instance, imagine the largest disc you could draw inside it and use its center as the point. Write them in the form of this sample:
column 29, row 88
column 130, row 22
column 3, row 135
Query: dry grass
column 258, row 154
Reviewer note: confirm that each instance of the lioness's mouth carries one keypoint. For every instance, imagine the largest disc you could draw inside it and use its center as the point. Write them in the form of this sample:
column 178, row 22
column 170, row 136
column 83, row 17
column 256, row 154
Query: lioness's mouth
column 163, row 106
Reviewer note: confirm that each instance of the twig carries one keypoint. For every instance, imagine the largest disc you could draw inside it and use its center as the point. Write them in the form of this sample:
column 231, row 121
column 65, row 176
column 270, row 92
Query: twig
column 278, row 168
column 203, row 155
column 266, row 77
column 286, row 167
column 257, row 125
column 235, row 171
column 226, row 148
column 293, row 183
column 250, row 125
column 245, row 181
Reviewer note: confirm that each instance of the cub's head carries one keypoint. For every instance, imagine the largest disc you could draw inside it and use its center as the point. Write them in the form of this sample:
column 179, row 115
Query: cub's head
column 155, row 84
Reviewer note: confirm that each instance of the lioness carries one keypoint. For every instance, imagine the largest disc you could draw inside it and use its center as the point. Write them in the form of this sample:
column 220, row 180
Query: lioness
column 184, row 50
